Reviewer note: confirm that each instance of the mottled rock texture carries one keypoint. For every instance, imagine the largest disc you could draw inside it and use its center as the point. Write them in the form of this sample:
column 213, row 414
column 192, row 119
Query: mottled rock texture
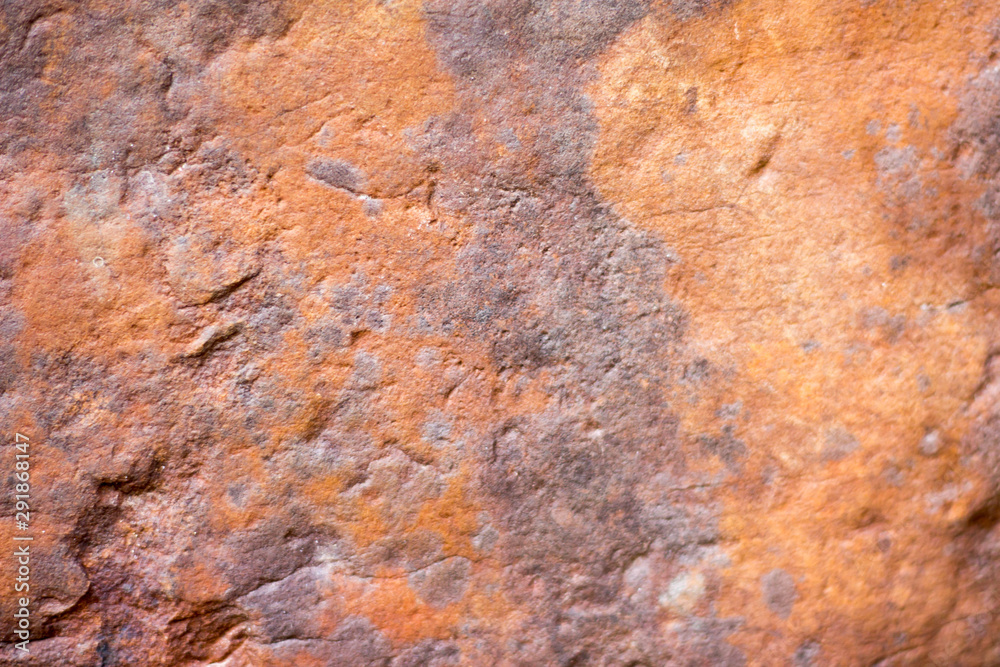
column 503, row 332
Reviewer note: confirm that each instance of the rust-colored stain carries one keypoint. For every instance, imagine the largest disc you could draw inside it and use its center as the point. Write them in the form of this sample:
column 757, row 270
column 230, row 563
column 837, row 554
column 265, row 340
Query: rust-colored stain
column 797, row 158
column 448, row 332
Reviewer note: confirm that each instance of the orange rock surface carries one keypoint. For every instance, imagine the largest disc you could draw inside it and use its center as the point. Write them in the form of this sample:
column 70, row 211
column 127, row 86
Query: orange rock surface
column 503, row 332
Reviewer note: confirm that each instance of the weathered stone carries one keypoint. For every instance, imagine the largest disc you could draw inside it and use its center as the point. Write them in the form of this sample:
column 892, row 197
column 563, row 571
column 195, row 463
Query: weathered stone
column 502, row 332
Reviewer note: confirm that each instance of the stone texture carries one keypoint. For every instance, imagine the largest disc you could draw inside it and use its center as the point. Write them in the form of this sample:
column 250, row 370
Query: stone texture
column 503, row 332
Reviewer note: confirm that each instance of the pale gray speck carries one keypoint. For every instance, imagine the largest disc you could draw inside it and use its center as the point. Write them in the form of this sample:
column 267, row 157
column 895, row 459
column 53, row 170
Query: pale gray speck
column 371, row 207
column 730, row 410
column 509, row 138
column 930, row 444
column 637, row 573
column 443, row 582
column 891, row 160
column 838, row 443
column 806, row 654
column 780, row 594
column 486, row 539
column 428, row 357
column 437, row 430
column 894, row 477
column 683, row 592
column 367, row 371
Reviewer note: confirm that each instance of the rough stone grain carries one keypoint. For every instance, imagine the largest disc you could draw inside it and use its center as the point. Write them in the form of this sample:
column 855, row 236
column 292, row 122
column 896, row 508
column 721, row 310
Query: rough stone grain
column 503, row 332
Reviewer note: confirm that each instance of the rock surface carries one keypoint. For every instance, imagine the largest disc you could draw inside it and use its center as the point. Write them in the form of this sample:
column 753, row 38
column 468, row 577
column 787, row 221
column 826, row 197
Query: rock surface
column 503, row 332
